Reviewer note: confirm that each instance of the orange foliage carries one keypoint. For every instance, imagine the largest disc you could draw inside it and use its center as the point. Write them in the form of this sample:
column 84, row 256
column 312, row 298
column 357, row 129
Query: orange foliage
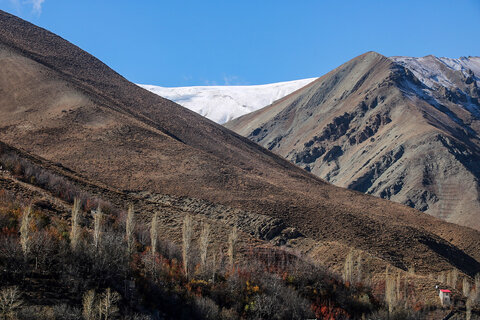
column 18, row 170
column 90, row 204
column 418, row 306
column 252, row 288
column 323, row 311
column 54, row 233
column 9, row 231
column 197, row 287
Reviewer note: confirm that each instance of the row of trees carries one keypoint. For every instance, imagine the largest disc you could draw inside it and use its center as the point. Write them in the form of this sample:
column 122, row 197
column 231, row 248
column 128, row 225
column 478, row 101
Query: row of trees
column 399, row 286
column 106, row 266
column 106, row 249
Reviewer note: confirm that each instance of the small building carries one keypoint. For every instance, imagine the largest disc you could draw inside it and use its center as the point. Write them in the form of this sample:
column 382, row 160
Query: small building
column 444, row 295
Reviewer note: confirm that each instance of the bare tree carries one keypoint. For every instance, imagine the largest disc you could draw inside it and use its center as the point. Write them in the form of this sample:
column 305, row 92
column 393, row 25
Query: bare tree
column 441, row 277
column 130, row 229
column 470, row 303
column 453, row 278
column 97, row 226
column 398, row 287
column 25, row 230
column 89, row 304
column 108, row 308
column 187, row 234
column 204, row 239
column 359, row 268
column 153, row 244
column 75, row 232
column 232, row 244
column 154, row 234
column 477, row 286
column 10, row 301
column 348, row 268
column 466, row 287
column 468, row 306
column 390, row 291
column 214, row 266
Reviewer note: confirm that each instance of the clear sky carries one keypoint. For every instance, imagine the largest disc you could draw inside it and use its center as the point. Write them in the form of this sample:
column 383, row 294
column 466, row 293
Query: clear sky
column 184, row 43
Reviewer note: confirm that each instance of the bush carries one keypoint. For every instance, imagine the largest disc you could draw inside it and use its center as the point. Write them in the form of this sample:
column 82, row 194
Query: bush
column 207, row 308
column 279, row 302
column 10, row 302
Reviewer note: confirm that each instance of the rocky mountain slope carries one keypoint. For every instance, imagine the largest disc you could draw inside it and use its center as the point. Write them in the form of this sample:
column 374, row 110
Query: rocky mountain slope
column 77, row 119
column 224, row 103
column 404, row 129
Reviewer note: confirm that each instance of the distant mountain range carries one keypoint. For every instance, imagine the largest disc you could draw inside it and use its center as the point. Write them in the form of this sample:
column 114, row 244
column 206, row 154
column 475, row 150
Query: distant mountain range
column 401, row 128
column 224, row 103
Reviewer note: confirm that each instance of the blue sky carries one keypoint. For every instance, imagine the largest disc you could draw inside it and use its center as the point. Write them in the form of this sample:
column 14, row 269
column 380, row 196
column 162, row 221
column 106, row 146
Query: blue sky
column 183, row 43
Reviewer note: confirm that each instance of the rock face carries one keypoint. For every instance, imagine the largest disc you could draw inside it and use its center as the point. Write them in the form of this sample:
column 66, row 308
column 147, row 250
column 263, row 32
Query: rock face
column 404, row 129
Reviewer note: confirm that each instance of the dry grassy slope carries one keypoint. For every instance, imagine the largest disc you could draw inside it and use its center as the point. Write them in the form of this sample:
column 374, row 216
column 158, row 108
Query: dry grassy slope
column 366, row 126
column 62, row 104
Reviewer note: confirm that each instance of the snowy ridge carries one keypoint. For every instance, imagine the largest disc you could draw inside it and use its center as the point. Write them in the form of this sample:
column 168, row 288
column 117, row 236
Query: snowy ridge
column 455, row 74
column 433, row 71
column 224, row 103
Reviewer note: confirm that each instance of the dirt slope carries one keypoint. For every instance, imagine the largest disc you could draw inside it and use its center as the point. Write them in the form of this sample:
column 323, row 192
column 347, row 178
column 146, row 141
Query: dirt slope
column 371, row 125
column 66, row 109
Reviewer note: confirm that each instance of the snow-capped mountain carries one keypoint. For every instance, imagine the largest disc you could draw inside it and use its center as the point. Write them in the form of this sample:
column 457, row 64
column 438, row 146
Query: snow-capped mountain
column 447, row 80
column 405, row 129
column 434, row 72
column 224, row 103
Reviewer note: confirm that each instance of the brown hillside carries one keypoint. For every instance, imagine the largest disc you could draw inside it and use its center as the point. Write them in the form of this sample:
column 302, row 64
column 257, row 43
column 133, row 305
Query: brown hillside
column 75, row 116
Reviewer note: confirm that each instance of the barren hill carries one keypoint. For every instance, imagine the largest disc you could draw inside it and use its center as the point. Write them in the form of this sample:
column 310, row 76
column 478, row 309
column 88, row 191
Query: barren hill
column 70, row 114
column 403, row 129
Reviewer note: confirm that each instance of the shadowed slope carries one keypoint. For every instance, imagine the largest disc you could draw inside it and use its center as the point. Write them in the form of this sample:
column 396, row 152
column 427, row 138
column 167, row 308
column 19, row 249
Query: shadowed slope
column 62, row 104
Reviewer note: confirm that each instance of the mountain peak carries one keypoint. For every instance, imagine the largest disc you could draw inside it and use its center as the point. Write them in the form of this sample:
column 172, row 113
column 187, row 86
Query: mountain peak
column 372, row 53
column 367, row 125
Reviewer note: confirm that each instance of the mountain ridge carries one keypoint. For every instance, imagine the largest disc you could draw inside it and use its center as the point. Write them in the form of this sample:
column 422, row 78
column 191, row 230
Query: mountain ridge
column 347, row 125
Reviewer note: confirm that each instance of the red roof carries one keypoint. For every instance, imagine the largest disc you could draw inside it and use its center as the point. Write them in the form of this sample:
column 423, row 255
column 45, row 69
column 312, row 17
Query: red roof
column 445, row 290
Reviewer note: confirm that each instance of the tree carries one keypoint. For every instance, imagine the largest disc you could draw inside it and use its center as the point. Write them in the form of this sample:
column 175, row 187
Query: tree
column 25, row 231
column 187, row 234
column 477, row 286
column 232, row 244
column 75, row 232
column 359, row 268
column 97, row 226
column 214, row 266
column 153, row 244
column 466, row 287
column 10, row 301
column 130, row 229
column 89, row 305
column 348, row 268
column 390, row 291
column 452, row 278
column 154, row 234
column 108, row 308
column 204, row 238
